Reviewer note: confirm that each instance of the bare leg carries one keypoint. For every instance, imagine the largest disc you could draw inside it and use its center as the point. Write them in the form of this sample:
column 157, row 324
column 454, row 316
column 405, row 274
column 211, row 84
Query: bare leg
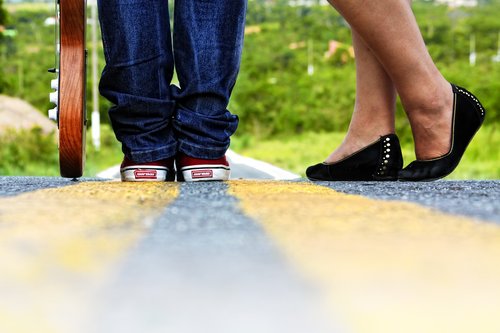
column 390, row 30
column 373, row 114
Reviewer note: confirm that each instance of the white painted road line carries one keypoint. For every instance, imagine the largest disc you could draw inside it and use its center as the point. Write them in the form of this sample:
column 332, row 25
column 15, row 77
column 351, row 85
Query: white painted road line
column 262, row 169
column 273, row 171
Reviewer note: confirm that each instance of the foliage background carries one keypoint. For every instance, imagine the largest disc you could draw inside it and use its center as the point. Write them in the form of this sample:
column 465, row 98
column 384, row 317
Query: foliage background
column 279, row 104
column 3, row 14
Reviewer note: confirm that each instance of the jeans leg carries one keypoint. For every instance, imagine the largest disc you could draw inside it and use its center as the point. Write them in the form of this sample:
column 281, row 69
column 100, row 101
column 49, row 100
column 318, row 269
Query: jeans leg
column 137, row 76
column 208, row 41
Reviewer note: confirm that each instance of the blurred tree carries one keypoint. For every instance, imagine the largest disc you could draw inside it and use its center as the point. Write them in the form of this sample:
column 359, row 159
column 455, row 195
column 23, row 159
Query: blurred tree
column 3, row 14
column 275, row 94
column 3, row 21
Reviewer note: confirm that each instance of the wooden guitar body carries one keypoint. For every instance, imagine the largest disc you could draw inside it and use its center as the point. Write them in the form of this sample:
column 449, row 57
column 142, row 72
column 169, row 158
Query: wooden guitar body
column 71, row 110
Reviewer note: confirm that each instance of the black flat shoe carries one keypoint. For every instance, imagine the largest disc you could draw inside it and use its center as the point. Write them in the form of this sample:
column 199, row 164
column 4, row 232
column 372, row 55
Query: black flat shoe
column 468, row 116
column 381, row 160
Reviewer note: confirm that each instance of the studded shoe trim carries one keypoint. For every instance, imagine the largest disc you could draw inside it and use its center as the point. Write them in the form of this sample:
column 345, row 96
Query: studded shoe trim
column 471, row 96
column 387, row 158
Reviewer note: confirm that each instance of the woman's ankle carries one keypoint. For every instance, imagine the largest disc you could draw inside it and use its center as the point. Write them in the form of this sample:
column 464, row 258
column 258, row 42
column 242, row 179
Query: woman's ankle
column 355, row 141
column 427, row 98
column 431, row 123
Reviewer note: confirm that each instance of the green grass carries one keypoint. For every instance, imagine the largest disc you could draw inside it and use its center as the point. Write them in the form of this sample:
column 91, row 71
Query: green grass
column 32, row 153
column 110, row 153
column 481, row 161
column 29, row 7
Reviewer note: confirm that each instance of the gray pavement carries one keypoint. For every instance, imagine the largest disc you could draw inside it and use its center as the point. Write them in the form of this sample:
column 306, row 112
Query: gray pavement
column 478, row 199
column 16, row 185
column 206, row 267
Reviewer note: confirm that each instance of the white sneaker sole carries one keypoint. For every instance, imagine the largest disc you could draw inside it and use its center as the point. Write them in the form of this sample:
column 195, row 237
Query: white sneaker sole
column 144, row 173
column 203, row 173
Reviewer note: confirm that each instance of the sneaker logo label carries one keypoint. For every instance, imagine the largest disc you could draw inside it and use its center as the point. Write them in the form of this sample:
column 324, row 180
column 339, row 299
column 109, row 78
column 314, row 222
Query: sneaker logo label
column 197, row 174
column 145, row 174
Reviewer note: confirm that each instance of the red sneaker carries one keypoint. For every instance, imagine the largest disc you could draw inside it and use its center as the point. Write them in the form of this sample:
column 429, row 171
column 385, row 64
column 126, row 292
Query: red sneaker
column 192, row 169
column 158, row 171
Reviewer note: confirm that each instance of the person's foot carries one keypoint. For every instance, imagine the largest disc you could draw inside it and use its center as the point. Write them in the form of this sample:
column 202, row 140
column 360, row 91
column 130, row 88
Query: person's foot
column 192, row 169
column 468, row 116
column 353, row 142
column 380, row 160
column 157, row 171
column 431, row 125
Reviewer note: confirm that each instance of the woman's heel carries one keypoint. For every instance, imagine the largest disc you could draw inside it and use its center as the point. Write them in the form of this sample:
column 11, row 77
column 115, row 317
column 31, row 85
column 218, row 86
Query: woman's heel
column 468, row 116
column 381, row 160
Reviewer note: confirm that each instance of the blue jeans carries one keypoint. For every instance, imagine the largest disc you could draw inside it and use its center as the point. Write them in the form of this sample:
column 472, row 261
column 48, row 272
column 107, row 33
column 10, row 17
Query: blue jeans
column 152, row 118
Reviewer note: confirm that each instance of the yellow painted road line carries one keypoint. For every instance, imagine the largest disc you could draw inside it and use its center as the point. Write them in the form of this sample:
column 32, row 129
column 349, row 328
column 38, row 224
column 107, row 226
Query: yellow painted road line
column 388, row 267
column 58, row 246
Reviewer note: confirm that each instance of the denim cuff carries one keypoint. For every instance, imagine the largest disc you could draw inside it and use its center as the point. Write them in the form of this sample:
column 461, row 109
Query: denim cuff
column 151, row 155
column 204, row 135
column 209, row 153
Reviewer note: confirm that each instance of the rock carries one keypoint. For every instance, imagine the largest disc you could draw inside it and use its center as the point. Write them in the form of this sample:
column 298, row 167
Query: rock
column 18, row 114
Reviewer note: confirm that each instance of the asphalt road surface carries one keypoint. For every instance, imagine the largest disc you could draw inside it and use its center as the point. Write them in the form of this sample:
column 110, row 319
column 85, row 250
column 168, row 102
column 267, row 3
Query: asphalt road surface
column 249, row 256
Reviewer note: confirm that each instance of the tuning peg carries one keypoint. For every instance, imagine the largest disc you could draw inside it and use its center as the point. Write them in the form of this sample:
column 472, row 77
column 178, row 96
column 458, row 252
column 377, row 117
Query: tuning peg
column 53, row 113
column 54, row 97
column 54, row 84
